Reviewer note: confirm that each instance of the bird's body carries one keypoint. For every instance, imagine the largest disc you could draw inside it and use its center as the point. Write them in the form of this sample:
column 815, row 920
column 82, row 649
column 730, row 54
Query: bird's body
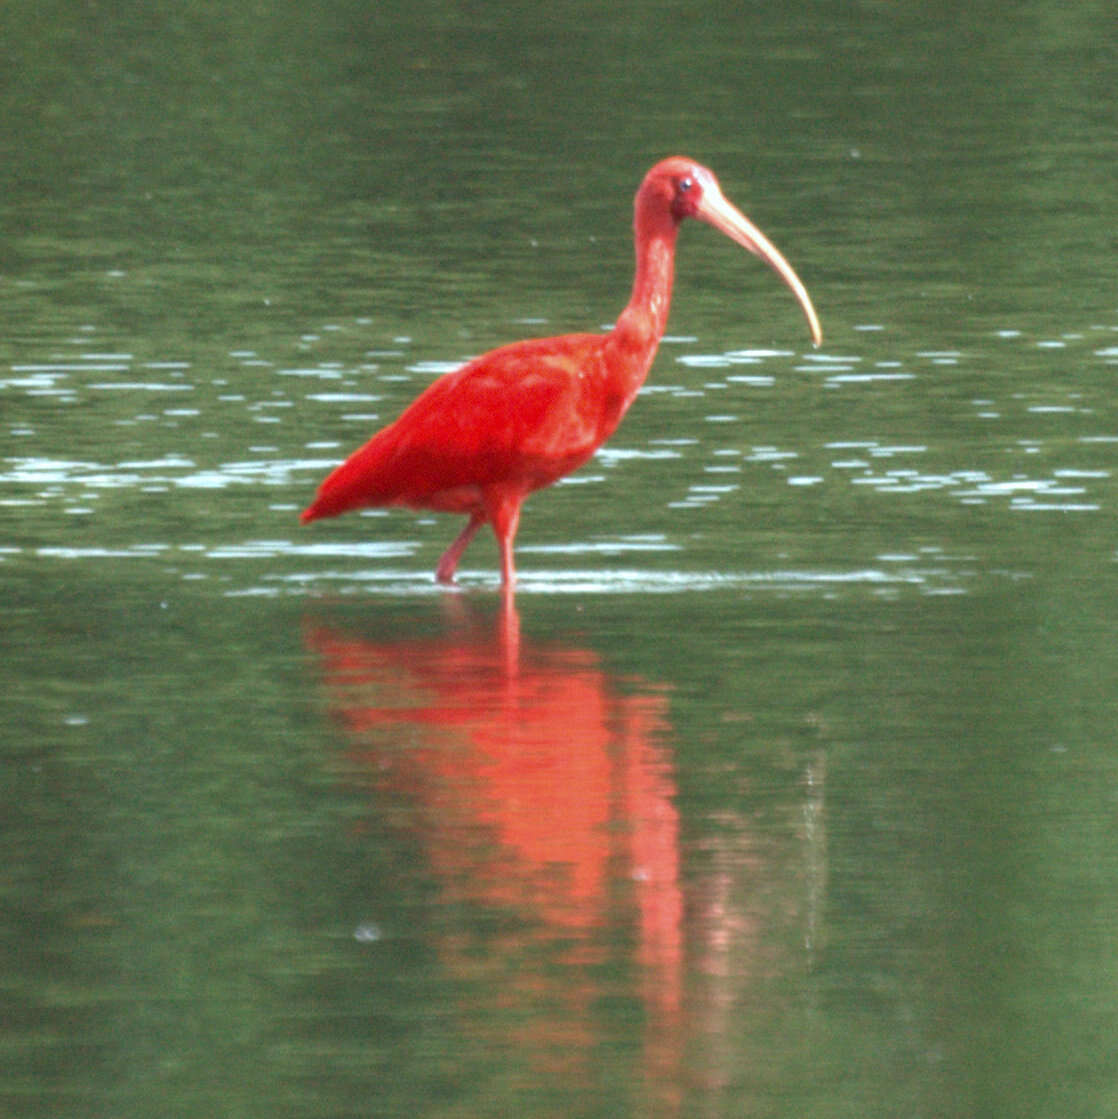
column 479, row 440
column 519, row 417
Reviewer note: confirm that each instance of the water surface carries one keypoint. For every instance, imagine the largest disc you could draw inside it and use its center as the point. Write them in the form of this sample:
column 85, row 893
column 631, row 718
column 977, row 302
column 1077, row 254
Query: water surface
column 786, row 786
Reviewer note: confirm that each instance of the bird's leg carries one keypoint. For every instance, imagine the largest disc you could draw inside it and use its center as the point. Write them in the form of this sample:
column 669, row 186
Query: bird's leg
column 508, row 568
column 504, row 516
column 444, row 573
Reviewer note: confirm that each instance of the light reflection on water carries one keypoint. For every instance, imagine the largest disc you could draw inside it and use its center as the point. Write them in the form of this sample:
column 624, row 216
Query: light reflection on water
column 1034, row 473
column 933, row 571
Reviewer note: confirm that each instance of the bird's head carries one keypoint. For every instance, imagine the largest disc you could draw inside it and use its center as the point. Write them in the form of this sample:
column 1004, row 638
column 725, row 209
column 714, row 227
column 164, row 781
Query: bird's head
column 682, row 188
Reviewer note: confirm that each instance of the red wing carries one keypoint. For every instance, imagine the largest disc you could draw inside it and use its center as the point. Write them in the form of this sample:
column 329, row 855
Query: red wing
column 516, row 416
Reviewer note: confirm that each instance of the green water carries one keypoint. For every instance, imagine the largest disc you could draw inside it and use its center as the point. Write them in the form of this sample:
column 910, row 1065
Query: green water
column 787, row 788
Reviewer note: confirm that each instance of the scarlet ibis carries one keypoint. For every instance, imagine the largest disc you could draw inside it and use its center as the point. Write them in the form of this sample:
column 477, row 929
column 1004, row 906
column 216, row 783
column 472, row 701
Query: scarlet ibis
column 479, row 440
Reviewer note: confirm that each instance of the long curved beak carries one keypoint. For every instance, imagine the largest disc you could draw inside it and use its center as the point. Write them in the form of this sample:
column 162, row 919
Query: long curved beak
column 715, row 210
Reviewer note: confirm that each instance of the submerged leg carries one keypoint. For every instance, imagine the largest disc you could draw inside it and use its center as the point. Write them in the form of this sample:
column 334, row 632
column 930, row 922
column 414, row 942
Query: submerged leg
column 449, row 563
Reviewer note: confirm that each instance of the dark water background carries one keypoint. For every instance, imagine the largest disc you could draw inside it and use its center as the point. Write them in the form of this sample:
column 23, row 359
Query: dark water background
column 790, row 786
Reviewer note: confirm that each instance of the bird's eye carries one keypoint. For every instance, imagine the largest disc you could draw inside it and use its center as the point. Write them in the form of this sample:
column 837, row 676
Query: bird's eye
column 685, row 184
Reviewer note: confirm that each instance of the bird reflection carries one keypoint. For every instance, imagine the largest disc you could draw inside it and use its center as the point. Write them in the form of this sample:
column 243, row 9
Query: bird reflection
column 541, row 790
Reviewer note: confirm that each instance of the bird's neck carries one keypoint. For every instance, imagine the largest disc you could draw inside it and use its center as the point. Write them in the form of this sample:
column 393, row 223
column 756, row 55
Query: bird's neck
column 639, row 328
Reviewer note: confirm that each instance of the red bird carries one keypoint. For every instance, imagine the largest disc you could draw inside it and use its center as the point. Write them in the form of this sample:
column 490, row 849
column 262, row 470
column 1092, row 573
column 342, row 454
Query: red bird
column 479, row 440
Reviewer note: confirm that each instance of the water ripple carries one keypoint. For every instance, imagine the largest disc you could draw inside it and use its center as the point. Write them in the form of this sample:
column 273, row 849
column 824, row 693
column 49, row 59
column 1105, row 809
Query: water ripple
column 877, row 580
column 1044, row 446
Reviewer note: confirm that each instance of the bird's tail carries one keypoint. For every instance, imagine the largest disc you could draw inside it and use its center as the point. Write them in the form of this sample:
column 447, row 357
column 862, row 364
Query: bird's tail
column 323, row 506
column 356, row 483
